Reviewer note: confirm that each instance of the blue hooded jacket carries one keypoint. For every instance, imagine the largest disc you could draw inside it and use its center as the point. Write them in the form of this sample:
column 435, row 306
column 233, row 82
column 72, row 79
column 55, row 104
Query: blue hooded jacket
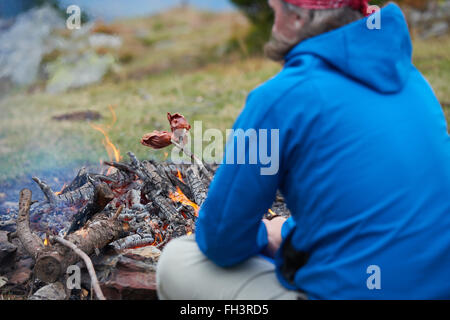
column 364, row 167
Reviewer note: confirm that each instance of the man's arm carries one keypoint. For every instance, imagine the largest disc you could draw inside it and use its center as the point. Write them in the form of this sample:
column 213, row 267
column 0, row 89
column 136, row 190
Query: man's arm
column 229, row 227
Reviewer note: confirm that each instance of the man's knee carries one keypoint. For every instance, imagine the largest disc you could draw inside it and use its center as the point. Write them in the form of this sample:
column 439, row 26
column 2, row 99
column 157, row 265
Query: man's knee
column 172, row 264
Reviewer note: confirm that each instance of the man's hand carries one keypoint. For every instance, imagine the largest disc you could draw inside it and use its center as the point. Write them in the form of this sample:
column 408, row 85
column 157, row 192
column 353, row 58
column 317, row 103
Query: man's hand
column 274, row 234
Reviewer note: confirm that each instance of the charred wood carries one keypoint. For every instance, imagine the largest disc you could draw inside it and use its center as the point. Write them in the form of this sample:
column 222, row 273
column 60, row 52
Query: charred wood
column 102, row 196
column 52, row 261
column 48, row 192
column 195, row 182
column 81, row 179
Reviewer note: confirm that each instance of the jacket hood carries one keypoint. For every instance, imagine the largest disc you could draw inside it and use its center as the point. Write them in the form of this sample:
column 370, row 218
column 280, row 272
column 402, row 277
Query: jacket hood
column 379, row 58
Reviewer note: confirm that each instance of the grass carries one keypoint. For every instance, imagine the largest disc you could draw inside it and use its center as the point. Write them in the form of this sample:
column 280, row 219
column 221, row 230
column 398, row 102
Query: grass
column 173, row 62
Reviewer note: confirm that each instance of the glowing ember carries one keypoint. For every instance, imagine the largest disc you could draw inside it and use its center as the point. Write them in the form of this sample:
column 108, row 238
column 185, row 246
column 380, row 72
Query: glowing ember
column 179, row 196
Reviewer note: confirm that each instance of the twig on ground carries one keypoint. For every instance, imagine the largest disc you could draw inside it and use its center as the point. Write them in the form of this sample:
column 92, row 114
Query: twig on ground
column 87, row 262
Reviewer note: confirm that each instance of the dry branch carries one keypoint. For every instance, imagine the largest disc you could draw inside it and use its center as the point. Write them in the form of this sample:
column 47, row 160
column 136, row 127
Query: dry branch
column 48, row 192
column 31, row 242
column 52, row 261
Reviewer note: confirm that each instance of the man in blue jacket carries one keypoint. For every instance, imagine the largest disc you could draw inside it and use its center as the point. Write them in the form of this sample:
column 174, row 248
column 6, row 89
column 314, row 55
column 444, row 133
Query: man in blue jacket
column 364, row 167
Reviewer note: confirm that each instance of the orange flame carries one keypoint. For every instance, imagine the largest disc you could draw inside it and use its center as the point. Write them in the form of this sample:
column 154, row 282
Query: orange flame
column 111, row 149
column 60, row 191
column 179, row 196
column 179, row 176
column 113, row 115
column 272, row 213
column 46, row 242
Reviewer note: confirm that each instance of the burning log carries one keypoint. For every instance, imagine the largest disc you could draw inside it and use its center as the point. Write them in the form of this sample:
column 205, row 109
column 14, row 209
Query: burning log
column 154, row 188
column 195, row 182
column 102, row 196
column 84, row 193
column 133, row 241
column 175, row 175
column 52, row 261
column 80, row 180
column 66, row 197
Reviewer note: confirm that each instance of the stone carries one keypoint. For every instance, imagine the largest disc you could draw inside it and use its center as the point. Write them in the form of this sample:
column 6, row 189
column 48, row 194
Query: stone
column 53, row 291
column 23, row 45
column 127, row 275
column 76, row 71
column 143, row 253
column 128, row 285
column 20, row 276
column 7, row 249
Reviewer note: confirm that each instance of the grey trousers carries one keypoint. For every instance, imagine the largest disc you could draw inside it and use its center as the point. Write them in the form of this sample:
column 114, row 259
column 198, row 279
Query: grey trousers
column 184, row 273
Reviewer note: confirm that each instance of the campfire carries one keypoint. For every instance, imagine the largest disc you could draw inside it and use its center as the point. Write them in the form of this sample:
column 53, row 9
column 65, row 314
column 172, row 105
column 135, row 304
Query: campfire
column 135, row 204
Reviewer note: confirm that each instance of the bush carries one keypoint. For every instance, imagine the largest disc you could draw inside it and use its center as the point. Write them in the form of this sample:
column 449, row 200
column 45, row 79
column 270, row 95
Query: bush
column 261, row 16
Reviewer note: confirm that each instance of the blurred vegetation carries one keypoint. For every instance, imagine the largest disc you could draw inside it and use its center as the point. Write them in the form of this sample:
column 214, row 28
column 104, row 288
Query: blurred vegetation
column 261, row 17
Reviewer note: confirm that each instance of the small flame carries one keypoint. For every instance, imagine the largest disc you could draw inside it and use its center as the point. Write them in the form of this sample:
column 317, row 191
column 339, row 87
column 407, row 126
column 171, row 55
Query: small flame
column 111, row 149
column 189, row 233
column 113, row 115
column 179, row 196
column 158, row 240
column 46, row 242
column 60, row 191
column 272, row 213
column 179, row 176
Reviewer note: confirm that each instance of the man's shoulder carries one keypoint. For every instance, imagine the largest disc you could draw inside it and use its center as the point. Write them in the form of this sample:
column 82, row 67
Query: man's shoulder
column 291, row 90
column 284, row 85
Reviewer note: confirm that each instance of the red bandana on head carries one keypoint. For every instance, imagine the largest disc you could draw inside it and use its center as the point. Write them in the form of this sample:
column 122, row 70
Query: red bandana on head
column 360, row 5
